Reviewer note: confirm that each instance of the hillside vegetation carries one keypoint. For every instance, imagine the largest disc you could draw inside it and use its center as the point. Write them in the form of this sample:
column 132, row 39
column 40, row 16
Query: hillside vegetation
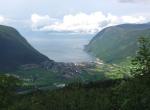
column 120, row 94
column 116, row 43
column 16, row 51
column 19, row 58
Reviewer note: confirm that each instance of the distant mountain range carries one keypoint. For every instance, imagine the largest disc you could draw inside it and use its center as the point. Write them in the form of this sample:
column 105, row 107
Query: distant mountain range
column 16, row 51
column 115, row 43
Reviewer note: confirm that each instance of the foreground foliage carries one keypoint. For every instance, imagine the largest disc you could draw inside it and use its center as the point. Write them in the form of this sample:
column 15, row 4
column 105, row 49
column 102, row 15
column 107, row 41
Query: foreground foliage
column 107, row 95
column 120, row 94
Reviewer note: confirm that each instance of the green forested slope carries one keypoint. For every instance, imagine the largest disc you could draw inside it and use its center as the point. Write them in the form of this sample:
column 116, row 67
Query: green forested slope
column 113, row 44
column 15, row 50
column 119, row 94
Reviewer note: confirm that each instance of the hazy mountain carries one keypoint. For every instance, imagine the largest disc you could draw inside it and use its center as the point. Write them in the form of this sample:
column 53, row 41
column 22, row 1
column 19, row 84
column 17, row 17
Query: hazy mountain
column 115, row 43
column 16, row 51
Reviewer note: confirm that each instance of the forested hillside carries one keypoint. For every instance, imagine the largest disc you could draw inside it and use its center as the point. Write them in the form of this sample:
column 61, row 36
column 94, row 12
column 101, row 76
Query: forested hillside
column 120, row 94
column 116, row 43
column 16, row 51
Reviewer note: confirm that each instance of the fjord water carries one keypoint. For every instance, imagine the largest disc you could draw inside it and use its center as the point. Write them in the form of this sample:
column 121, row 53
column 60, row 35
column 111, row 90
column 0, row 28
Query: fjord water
column 62, row 47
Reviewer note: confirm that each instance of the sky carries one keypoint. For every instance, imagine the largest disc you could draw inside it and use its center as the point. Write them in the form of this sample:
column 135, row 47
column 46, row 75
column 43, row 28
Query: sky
column 80, row 16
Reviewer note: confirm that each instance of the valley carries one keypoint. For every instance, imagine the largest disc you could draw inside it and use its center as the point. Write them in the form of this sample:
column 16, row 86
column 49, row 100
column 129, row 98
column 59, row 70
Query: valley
column 45, row 72
column 40, row 83
column 74, row 55
column 23, row 61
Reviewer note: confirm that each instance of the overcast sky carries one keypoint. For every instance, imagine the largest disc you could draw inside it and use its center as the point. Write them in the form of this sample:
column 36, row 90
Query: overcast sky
column 87, row 16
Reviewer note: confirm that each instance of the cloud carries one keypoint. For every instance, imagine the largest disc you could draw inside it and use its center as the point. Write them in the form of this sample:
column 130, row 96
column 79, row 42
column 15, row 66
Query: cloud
column 132, row 19
column 133, row 1
column 39, row 21
column 81, row 22
column 73, row 23
column 2, row 19
column 20, row 24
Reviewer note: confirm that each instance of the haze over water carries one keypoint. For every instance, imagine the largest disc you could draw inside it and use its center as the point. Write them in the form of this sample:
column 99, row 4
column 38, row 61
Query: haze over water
column 62, row 47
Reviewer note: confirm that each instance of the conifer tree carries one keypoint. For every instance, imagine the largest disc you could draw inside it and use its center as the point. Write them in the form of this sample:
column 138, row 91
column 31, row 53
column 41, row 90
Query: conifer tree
column 141, row 63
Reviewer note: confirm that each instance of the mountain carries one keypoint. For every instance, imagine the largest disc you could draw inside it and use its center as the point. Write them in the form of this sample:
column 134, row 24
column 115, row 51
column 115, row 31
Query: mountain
column 115, row 43
column 16, row 51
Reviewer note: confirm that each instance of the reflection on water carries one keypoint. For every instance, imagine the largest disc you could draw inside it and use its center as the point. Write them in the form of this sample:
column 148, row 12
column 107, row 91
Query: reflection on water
column 62, row 47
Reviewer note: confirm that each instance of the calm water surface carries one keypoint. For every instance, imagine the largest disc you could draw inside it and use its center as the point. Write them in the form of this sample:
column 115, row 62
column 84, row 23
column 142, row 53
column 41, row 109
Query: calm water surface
column 62, row 47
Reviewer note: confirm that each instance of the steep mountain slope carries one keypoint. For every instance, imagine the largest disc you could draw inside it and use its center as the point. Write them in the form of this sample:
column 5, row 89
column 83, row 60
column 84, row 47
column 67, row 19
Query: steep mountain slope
column 16, row 51
column 115, row 43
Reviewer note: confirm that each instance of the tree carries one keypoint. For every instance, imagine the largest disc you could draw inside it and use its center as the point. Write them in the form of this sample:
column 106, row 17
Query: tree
column 8, row 85
column 141, row 63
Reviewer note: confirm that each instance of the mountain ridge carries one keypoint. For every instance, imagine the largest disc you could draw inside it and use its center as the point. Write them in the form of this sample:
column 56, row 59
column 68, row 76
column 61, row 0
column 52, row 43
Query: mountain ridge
column 16, row 51
column 116, row 43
